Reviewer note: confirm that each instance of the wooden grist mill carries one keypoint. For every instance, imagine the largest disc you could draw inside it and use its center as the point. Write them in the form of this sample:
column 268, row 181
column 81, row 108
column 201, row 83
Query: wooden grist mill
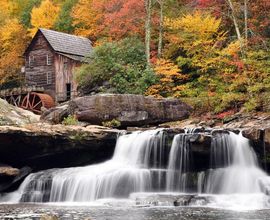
column 50, row 62
column 28, row 98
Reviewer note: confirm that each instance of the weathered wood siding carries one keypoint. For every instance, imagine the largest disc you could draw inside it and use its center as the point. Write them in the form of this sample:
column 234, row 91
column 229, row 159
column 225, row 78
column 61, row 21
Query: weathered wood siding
column 64, row 74
column 37, row 71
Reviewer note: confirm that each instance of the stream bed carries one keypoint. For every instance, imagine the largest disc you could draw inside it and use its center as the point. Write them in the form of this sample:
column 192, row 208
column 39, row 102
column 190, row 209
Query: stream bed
column 35, row 211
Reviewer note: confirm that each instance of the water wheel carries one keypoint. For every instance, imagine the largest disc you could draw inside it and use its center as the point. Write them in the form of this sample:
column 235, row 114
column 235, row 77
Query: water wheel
column 34, row 102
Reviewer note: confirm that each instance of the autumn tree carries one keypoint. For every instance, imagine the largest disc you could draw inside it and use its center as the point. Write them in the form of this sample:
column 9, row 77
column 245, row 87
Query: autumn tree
column 194, row 39
column 169, row 79
column 88, row 18
column 5, row 11
column 112, row 20
column 124, row 18
column 44, row 16
column 11, row 48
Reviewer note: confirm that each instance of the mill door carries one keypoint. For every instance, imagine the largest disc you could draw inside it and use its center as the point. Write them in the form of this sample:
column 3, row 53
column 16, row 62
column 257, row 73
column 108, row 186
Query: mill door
column 68, row 86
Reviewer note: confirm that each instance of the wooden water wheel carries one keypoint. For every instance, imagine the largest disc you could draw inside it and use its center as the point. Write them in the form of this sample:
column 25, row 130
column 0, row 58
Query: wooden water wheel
column 34, row 102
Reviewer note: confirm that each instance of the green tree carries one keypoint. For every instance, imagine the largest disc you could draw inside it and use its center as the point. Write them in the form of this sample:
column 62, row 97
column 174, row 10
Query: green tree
column 120, row 65
column 64, row 22
column 26, row 8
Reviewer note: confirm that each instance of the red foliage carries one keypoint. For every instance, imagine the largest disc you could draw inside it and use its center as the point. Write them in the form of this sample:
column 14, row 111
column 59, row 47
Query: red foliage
column 124, row 18
column 225, row 114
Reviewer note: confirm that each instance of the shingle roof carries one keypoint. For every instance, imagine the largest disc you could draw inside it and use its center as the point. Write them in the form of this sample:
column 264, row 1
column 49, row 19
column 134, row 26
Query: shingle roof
column 67, row 43
column 74, row 57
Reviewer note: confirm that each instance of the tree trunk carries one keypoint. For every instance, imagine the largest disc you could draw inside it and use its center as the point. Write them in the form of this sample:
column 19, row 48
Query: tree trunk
column 236, row 26
column 246, row 19
column 148, row 5
column 160, row 38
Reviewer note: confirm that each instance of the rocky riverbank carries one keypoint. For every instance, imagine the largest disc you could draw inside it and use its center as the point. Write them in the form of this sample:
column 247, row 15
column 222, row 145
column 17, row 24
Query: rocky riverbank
column 27, row 142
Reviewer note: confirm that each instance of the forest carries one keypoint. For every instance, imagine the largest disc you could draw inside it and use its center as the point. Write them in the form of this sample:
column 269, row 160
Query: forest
column 212, row 54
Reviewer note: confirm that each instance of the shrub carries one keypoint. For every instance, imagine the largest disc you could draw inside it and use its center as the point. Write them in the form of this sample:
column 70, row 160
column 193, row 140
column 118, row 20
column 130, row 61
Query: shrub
column 112, row 124
column 70, row 120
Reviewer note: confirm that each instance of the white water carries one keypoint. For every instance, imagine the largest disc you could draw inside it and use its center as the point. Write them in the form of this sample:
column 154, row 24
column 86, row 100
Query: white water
column 242, row 174
column 178, row 164
column 140, row 165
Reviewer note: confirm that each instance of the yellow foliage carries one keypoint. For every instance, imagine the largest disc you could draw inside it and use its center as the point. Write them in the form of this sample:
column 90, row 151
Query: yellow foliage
column 232, row 49
column 11, row 47
column 5, row 7
column 44, row 16
column 197, row 34
column 87, row 19
column 200, row 24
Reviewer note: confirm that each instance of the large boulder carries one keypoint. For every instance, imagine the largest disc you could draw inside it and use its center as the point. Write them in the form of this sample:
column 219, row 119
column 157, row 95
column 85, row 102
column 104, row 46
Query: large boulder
column 128, row 109
column 11, row 115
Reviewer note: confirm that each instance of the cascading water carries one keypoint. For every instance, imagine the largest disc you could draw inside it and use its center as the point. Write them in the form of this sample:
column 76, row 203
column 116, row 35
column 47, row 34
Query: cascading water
column 147, row 162
column 128, row 171
column 236, row 166
column 179, row 164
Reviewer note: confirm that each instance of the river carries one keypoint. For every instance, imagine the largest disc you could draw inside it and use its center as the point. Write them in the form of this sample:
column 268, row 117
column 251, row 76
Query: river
column 35, row 211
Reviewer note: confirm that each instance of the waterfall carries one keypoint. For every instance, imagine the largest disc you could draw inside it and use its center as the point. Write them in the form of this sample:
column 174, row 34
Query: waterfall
column 241, row 173
column 136, row 163
column 179, row 163
column 149, row 161
column 200, row 183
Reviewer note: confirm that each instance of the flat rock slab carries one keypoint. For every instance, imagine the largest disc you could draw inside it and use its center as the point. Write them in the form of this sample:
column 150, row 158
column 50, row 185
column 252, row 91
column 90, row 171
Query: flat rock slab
column 128, row 109
column 43, row 146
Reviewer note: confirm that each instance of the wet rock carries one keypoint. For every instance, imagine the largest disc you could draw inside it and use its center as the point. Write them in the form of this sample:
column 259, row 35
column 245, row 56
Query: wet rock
column 9, row 171
column 267, row 136
column 44, row 146
column 11, row 178
column 128, row 109
column 219, row 131
column 254, row 134
column 144, row 199
column 200, row 139
column 183, row 200
column 200, row 200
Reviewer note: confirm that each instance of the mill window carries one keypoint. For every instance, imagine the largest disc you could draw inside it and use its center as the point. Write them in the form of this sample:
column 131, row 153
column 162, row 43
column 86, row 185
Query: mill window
column 49, row 78
column 49, row 60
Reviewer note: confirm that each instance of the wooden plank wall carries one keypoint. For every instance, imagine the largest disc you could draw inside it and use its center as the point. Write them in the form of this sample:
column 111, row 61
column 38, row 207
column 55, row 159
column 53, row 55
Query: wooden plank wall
column 36, row 73
column 64, row 73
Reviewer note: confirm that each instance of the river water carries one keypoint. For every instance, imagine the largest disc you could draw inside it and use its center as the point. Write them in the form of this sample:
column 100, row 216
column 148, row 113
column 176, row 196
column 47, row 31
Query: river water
column 35, row 211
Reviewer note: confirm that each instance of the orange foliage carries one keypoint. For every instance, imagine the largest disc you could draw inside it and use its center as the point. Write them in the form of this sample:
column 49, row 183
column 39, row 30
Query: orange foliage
column 112, row 19
column 88, row 18
column 169, row 76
